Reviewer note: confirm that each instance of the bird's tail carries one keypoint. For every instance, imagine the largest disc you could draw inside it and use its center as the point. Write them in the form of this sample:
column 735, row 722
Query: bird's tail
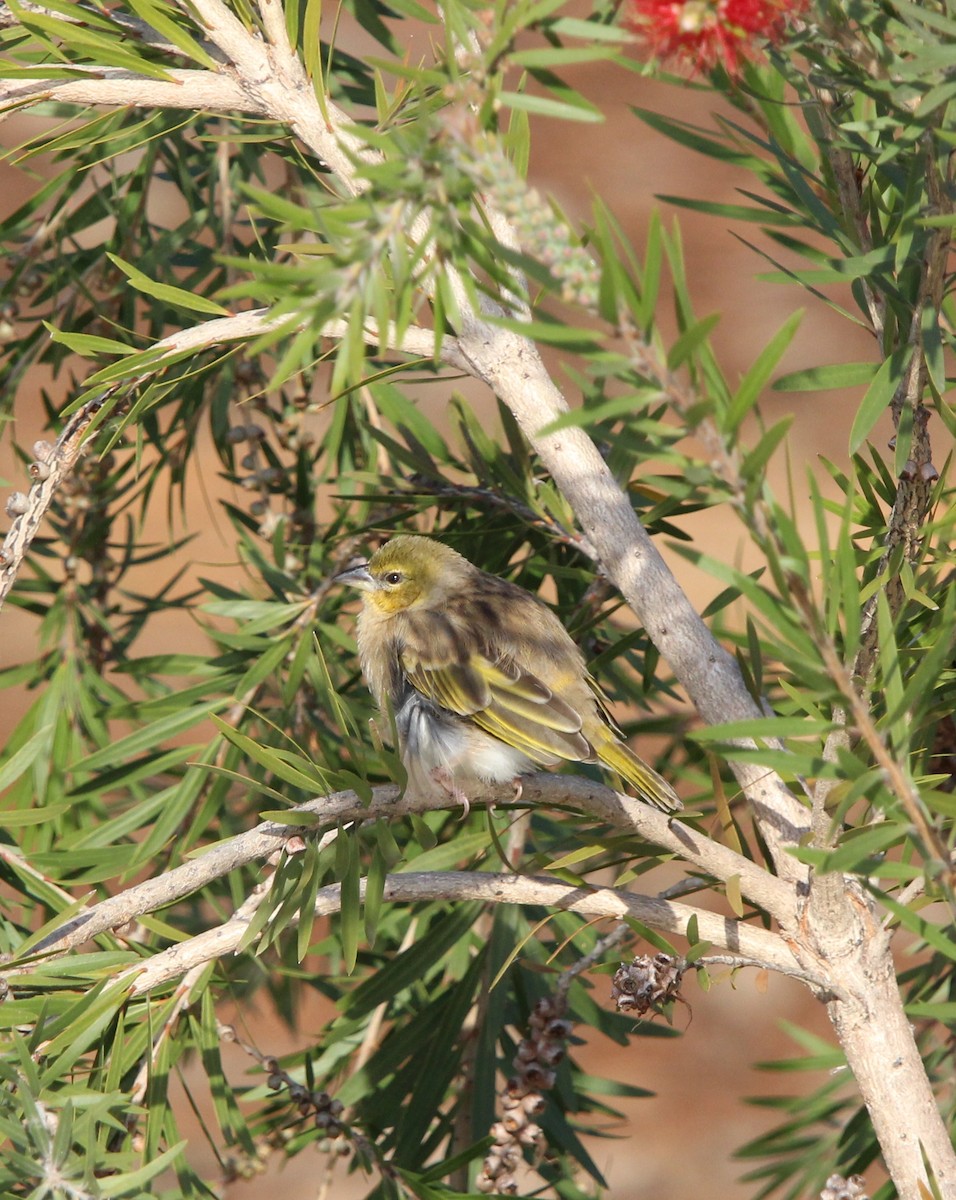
column 645, row 780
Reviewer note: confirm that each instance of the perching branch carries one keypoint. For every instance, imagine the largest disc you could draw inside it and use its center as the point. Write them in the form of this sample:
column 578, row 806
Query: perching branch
column 269, row 838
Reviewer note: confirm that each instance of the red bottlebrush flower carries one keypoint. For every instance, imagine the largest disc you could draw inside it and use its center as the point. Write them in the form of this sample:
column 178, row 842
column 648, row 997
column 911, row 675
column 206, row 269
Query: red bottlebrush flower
column 703, row 33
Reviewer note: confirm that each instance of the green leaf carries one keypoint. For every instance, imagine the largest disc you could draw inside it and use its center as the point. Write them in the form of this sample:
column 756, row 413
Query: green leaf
column 734, row 896
column 856, row 849
column 823, row 378
column 939, row 937
column 690, row 339
column 697, row 139
column 149, row 736
column 23, row 758
column 756, row 460
column 545, row 106
column 88, row 345
column 753, row 383
column 130, row 1183
column 763, row 727
column 299, row 772
column 110, row 49
column 350, row 916
column 591, row 31
column 159, row 17
column 174, row 296
column 559, row 56
column 875, row 402
column 413, row 965
column 374, row 893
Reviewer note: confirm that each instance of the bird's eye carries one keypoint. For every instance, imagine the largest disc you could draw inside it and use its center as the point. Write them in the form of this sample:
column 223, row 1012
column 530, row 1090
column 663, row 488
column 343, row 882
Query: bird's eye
column 393, row 577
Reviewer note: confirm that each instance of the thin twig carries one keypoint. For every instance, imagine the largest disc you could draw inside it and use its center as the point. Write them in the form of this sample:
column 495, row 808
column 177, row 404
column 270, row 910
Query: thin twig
column 617, row 935
column 739, row 961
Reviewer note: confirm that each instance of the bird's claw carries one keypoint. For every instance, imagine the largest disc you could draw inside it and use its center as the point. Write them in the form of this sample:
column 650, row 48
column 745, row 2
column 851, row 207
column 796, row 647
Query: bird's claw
column 443, row 777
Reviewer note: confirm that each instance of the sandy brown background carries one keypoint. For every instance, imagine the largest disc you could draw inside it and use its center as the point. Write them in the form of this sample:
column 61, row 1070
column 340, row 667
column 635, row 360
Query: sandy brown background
column 676, row 1146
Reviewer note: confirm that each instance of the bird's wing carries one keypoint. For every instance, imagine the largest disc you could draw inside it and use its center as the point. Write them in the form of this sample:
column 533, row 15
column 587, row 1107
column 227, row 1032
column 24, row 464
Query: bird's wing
column 500, row 697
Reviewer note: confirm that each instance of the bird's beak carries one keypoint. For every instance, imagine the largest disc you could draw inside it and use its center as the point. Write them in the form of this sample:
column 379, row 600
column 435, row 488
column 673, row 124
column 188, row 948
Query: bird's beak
column 356, row 576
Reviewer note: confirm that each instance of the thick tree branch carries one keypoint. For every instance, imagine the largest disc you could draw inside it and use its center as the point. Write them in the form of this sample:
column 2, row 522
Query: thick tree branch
column 53, row 465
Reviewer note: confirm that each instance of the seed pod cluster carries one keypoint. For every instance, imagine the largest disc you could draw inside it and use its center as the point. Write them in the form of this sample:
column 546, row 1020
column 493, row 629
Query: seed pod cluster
column 324, row 1110
column 838, row 1188
column 522, row 1099
column 647, row 983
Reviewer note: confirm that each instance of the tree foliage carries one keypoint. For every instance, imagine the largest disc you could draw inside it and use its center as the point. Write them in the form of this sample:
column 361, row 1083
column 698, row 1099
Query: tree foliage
column 352, row 231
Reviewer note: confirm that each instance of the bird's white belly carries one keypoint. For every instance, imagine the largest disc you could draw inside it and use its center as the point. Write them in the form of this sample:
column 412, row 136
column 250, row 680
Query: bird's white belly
column 433, row 739
column 492, row 760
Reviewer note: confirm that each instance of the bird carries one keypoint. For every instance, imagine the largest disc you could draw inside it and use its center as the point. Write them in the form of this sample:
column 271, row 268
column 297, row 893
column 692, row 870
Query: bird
column 485, row 683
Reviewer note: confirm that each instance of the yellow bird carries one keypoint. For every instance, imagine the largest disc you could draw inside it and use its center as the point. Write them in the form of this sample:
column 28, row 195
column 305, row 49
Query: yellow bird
column 485, row 682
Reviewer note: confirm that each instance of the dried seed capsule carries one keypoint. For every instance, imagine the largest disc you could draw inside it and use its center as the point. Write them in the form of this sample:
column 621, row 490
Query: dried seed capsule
column 515, row 1120
column 531, row 1135
column 559, row 1028
column 539, row 1077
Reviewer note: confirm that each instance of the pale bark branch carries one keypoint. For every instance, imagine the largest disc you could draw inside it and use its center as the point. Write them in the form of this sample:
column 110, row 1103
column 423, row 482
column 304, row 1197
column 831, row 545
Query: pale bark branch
column 737, row 962
column 27, row 510
column 668, row 917
column 203, row 91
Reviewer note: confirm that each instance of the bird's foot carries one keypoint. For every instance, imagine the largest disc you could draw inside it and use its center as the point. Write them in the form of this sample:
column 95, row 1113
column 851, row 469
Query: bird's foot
column 445, row 780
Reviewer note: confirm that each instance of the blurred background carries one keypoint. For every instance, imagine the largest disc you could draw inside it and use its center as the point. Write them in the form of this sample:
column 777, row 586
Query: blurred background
column 677, row 1145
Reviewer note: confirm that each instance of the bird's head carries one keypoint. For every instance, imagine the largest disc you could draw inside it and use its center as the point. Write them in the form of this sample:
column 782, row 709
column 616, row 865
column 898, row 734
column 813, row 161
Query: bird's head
column 409, row 571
